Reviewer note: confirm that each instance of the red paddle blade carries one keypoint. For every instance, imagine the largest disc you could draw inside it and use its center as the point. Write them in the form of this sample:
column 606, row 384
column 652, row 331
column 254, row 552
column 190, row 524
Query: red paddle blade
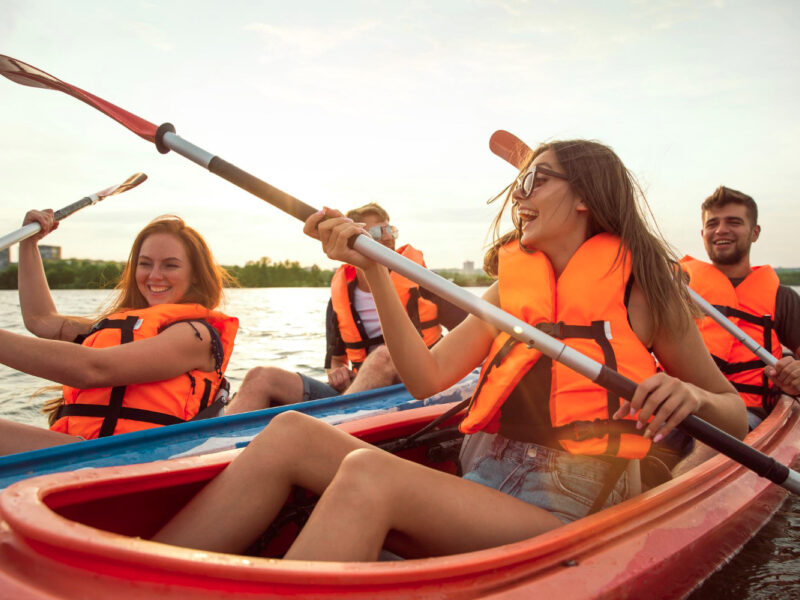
column 510, row 148
column 22, row 73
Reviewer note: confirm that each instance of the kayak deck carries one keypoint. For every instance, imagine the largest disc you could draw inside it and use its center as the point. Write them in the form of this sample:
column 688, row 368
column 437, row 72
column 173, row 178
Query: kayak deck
column 68, row 533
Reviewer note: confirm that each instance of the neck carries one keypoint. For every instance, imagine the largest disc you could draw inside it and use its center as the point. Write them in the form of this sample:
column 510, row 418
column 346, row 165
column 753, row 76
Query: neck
column 561, row 253
column 735, row 271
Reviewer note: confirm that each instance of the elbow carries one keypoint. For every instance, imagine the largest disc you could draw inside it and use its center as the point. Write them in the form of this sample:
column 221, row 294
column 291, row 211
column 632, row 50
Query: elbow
column 92, row 375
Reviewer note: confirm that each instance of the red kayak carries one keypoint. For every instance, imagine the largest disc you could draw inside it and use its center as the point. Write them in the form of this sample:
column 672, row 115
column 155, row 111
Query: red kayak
column 84, row 534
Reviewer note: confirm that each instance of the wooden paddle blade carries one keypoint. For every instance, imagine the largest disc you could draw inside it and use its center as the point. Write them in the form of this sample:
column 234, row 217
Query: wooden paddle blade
column 25, row 74
column 510, row 148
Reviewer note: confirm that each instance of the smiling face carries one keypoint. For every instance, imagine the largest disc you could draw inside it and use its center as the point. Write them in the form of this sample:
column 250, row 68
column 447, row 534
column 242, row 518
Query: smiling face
column 552, row 212
column 163, row 269
column 728, row 234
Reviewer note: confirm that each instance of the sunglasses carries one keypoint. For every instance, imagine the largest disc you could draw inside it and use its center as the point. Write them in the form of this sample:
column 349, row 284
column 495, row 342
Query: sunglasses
column 377, row 231
column 533, row 179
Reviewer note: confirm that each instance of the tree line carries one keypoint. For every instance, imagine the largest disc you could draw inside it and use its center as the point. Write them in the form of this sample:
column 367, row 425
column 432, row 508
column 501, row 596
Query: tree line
column 99, row 274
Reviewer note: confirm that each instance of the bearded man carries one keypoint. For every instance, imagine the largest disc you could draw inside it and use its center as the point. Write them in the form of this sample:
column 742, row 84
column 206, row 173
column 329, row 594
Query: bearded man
column 752, row 297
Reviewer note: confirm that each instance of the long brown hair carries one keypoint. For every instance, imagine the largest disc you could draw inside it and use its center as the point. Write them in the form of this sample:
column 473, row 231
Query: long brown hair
column 616, row 205
column 208, row 278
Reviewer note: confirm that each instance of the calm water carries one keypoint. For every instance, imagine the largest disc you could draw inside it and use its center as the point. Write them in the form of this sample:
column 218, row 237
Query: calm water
column 285, row 327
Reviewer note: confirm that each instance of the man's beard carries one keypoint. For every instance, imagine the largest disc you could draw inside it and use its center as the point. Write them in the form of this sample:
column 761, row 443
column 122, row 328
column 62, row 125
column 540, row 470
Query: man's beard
column 729, row 258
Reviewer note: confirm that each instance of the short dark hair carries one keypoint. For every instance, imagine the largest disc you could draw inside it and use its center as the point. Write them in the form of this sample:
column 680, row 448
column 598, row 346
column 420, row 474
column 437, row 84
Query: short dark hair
column 723, row 196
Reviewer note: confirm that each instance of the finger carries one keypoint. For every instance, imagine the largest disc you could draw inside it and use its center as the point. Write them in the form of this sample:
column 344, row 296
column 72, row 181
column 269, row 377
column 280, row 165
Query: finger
column 311, row 223
column 675, row 419
column 623, row 411
column 643, row 391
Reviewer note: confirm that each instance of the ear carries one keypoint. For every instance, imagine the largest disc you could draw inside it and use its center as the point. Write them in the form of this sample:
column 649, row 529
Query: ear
column 756, row 233
column 581, row 206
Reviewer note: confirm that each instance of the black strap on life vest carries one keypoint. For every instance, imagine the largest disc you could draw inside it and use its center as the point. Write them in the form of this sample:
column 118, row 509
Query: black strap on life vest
column 765, row 390
column 412, row 308
column 112, row 412
column 597, row 332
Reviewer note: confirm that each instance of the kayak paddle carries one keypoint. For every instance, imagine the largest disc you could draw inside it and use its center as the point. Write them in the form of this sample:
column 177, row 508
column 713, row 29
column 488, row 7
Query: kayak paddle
column 30, row 229
column 165, row 139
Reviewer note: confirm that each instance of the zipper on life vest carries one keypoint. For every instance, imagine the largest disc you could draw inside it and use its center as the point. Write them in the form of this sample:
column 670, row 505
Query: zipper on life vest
column 191, row 379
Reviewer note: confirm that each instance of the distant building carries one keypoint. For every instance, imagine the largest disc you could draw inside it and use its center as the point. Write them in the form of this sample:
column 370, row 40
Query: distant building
column 50, row 252
column 5, row 258
column 469, row 266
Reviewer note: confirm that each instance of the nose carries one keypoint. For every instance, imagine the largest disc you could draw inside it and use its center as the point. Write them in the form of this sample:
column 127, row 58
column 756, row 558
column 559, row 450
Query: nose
column 517, row 195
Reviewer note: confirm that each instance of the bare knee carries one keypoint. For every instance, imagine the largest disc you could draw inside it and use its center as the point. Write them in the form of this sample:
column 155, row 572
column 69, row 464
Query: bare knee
column 262, row 378
column 380, row 359
column 364, row 475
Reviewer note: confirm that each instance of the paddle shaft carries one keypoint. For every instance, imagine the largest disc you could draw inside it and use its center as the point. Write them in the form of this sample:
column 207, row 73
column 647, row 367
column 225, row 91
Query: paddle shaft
column 610, row 379
column 165, row 140
column 736, row 332
column 30, row 229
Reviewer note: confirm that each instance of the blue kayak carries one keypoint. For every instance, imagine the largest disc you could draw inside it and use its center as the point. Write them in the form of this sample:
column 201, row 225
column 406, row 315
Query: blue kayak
column 213, row 435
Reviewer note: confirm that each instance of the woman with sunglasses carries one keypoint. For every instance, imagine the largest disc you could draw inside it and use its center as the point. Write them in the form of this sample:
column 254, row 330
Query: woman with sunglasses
column 356, row 359
column 582, row 263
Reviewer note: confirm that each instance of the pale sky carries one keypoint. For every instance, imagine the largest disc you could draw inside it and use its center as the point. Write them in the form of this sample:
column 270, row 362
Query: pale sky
column 342, row 103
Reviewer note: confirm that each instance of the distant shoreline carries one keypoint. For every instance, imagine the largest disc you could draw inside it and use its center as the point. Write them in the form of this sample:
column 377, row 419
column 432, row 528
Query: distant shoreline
column 81, row 274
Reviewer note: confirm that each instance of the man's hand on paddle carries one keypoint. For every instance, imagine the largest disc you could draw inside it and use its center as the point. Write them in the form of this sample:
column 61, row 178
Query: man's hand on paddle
column 786, row 375
column 334, row 231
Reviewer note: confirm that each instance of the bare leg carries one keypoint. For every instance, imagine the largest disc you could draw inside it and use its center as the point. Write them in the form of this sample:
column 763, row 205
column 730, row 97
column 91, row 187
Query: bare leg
column 294, row 449
column 376, row 371
column 427, row 511
column 264, row 387
column 16, row 437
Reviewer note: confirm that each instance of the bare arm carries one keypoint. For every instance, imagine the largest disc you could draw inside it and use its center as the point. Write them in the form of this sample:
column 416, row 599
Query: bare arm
column 693, row 384
column 38, row 309
column 423, row 371
column 176, row 350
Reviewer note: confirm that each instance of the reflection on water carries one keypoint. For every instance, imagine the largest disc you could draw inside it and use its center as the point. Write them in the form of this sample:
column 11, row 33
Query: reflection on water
column 286, row 327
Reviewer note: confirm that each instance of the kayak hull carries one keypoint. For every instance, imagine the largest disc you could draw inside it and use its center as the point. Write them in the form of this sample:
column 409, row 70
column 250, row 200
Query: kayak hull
column 68, row 535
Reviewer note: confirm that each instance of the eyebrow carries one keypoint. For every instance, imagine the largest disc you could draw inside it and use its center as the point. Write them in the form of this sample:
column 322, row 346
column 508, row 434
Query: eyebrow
column 141, row 256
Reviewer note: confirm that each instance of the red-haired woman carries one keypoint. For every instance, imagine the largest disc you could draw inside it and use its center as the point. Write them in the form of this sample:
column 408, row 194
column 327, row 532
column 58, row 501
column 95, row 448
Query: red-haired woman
column 156, row 357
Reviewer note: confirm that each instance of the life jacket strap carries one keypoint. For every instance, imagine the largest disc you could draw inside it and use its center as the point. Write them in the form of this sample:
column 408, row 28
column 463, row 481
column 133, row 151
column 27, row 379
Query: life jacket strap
column 124, row 412
column 595, row 331
column 114, row 408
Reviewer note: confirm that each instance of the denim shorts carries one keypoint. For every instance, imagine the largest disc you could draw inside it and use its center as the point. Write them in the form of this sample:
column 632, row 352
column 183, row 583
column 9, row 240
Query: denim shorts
column 314, row 389
column 562, row 483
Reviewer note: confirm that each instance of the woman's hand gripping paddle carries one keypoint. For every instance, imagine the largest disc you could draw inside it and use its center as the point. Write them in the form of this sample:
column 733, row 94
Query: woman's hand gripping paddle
column 30, row 229
column 165, row 139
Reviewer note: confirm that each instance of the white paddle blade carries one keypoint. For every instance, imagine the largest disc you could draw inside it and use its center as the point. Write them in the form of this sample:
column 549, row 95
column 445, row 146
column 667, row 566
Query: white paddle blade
column 130, row 183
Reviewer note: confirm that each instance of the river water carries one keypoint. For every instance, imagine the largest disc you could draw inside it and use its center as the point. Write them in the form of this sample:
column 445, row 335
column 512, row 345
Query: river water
column 286, row 327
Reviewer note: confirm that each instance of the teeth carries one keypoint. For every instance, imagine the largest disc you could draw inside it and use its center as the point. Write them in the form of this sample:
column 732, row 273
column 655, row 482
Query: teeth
column 527, row 214
column 157, row 290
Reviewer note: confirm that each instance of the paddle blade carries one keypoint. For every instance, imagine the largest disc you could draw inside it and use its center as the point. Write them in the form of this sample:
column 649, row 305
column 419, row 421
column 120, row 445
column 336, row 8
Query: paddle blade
column 25, row 74
column 510, row 148
column 130, row 183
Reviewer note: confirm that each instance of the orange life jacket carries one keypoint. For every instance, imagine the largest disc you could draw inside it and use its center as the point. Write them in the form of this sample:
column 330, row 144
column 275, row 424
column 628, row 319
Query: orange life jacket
column 423, row 313
column 750, row 306
column 586, row 308
column 99, row 412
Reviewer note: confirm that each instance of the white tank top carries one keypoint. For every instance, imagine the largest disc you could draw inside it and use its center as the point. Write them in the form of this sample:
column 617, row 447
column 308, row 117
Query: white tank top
column 365, row 307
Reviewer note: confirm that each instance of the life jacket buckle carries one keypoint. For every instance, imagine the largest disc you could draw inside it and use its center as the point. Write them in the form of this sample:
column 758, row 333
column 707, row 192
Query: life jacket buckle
column 586, row 430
